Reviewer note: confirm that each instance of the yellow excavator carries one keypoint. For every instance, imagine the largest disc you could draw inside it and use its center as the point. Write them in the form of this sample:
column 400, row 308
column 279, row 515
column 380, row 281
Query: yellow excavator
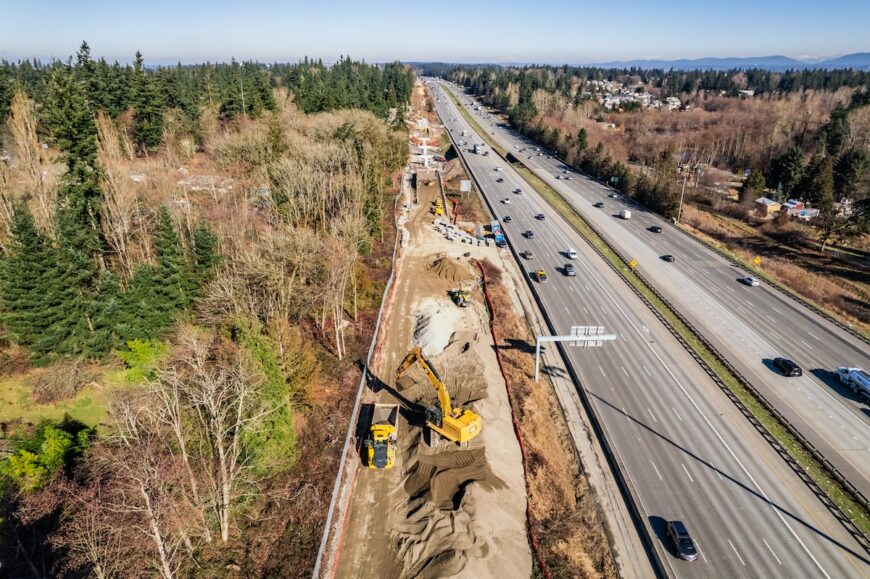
column 458, row 425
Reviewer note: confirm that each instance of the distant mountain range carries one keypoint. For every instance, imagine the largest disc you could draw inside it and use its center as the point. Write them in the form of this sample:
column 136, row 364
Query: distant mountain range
column 857, row 61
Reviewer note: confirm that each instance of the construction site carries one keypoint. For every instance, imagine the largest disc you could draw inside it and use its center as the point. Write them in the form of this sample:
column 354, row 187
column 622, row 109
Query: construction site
column 436, row 482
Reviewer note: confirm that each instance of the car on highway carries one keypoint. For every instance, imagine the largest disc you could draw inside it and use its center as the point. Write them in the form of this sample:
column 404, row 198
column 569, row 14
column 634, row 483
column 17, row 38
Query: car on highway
column 787, row 367
column 518, row 190
column 507, row 219
column 568, row 178
column 540, row 216
column 599, row 204
column 655, row 229
column 568, row 269
column 750, row 281
column 506, row 200
column 527, row 254
column 683, row 543
column 571, row 253
column 541, row 276
column 668, row 258
column 500, row 180
column 529, row 234
column 530, row 157
column 614, row 195
column 558, row 176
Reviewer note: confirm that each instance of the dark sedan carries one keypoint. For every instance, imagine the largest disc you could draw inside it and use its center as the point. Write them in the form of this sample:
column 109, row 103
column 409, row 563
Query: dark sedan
column 683, row 543
column 787, row 367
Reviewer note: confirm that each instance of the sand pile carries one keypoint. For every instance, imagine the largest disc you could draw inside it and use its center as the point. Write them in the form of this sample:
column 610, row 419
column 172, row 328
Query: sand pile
column 452, row 169
column 449, row 268
column 434, row 325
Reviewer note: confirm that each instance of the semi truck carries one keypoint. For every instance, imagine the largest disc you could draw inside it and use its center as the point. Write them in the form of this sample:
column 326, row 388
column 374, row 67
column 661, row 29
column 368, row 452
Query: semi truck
column 857, row 380
column 478, row 149
column 625, row 214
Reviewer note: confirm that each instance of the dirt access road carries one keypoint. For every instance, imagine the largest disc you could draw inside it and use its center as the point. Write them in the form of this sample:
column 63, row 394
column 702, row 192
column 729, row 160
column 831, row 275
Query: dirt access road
column 454, row 512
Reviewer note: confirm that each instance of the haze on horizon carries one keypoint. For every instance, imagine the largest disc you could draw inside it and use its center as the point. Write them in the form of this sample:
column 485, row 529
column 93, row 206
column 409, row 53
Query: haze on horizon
column 548, row 31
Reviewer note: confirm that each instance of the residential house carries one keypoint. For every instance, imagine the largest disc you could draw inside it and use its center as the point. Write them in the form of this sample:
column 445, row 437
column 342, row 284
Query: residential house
column 766, row 207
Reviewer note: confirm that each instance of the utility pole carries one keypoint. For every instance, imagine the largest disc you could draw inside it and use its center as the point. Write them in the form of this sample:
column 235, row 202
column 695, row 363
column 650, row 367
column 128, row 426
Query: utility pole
column 683, row 194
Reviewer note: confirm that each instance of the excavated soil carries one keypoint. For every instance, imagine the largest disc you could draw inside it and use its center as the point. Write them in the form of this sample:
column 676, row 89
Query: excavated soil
column 444, row 511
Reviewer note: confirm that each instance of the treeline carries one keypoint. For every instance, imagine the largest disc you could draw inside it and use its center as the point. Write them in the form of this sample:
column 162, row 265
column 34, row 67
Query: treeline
column 232, row 88
column 229, row 309
column 572, row 81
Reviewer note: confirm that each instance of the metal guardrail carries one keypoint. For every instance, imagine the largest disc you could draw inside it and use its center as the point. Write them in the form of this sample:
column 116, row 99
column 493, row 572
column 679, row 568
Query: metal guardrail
column 838, row 513
column 626, row 489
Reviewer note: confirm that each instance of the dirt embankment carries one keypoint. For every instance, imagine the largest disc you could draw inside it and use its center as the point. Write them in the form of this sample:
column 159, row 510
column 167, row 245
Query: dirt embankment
column 564, row 512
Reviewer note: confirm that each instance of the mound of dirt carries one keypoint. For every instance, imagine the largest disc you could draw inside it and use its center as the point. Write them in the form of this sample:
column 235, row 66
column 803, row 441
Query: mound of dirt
column 452, row 169
column 434, row 325
column 449, row 268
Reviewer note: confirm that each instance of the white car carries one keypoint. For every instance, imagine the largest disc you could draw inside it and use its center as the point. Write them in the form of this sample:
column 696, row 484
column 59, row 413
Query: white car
column 506, row 201
column 750, row 281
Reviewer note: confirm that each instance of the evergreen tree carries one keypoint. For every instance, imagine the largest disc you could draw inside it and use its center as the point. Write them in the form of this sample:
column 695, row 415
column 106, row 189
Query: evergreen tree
column 582, row 140
column 836, row 131
column 818, row 184
column 69, row 117
column 25, row 274
column 850, row 173
column 147, row 107
column 173, row 267
column 788, row 170
column 205, row 254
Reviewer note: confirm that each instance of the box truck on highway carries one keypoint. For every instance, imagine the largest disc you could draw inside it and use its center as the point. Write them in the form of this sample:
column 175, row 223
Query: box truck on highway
column 857, row 380
column 625, row 214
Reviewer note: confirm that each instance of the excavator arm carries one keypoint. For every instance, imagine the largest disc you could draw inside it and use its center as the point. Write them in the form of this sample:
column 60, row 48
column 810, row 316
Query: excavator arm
column 416, row 355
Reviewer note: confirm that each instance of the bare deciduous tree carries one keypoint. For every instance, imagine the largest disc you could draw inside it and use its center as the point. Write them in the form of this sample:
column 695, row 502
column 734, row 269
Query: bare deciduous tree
column 120, row 204
column 32, row 163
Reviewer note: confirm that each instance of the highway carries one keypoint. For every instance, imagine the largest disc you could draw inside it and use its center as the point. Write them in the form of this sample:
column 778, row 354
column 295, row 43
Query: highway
column 749, row 325
column 684, row 448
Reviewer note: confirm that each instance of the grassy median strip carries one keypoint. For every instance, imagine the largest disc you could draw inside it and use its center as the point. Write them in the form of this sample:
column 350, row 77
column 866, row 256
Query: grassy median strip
column 814, row 469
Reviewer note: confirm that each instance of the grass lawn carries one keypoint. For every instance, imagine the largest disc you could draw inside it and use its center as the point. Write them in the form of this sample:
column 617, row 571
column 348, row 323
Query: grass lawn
column 89, row 405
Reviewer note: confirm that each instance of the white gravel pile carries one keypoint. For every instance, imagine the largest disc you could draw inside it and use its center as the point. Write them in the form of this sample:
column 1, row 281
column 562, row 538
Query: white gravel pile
column 435, row 323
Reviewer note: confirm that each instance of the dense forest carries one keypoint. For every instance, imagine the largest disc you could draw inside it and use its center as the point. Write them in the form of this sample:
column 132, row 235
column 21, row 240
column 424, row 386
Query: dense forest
column 804, row 134
column 190, row 261
column 234, row 88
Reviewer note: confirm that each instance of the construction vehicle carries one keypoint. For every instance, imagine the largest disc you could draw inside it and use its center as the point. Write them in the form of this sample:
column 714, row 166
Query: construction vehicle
column 461, row 297
column 541, row 276
column 383, row 434
column 857, row 380
column 439, row 208
column 457, row 425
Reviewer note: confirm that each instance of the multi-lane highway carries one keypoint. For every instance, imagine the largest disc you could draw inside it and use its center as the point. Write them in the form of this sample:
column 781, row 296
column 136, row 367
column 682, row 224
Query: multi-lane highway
column 685, row 450
column 750, row 326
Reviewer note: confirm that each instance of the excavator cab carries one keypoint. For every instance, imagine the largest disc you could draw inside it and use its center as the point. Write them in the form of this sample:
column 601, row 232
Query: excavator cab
column 457, row 425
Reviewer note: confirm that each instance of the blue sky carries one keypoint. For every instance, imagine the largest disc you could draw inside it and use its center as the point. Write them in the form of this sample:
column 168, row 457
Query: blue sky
column 547, row 31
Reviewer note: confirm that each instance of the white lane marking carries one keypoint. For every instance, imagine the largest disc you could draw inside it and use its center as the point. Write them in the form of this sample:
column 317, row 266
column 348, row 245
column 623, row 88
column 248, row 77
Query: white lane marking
column 657, row 470
column 651, row 414
column 623, row 370
column 772, row 551
column 703, row 556
column 647, row 372
column 777, row 310
column 679, row 384
column 624, row 413
column 716, row 470
column 687, row 472
column 770, row 318
column 587, row 311
column 804, row 343
column 677, row 413
column 602, row 371
column 567, row 310
column 815, row 337
column 736, row 553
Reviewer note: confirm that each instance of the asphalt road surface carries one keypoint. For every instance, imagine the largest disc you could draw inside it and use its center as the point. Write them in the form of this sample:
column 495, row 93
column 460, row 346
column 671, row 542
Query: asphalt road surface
column 684, row 448
column 750, row 326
